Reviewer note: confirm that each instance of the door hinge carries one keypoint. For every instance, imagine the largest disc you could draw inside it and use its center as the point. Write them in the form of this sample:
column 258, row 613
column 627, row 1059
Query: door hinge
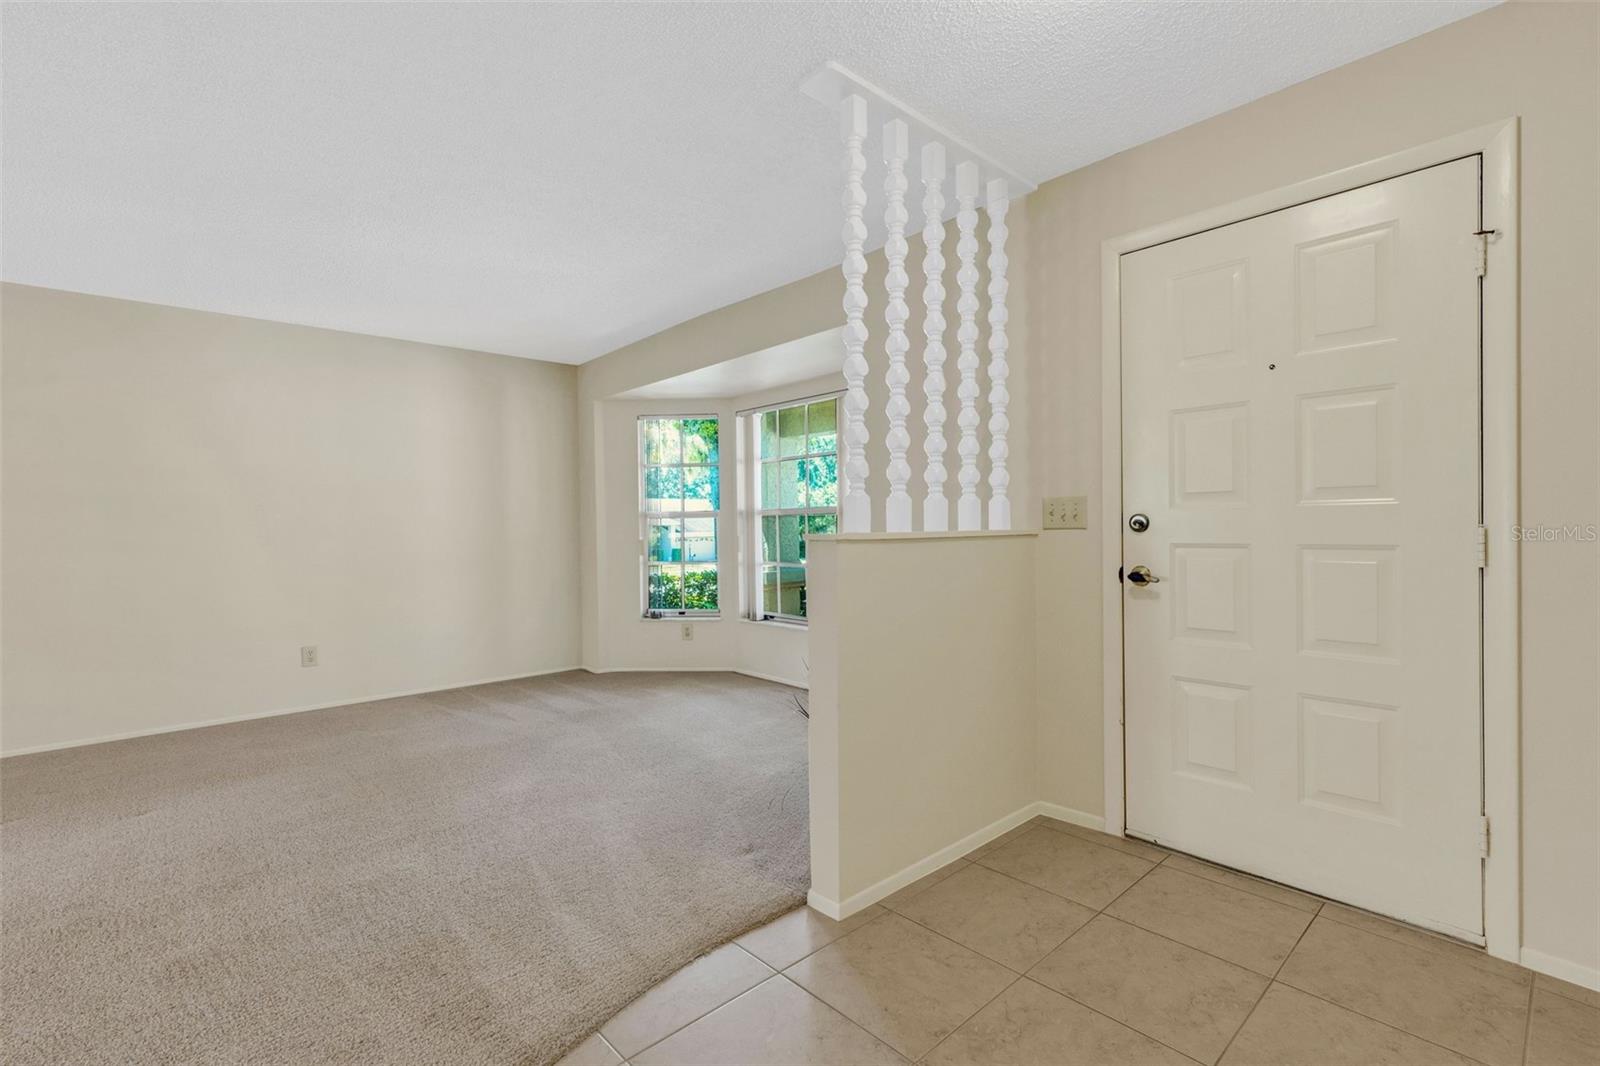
column 1483, row 836
column 1483, row 547
column 1480, row 258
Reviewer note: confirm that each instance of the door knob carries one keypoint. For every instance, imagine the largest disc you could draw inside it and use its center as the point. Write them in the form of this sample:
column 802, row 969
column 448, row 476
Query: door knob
column 1141, row 576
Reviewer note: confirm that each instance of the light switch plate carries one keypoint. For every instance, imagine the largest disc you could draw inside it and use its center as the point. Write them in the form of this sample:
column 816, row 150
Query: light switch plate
column 1066, row 512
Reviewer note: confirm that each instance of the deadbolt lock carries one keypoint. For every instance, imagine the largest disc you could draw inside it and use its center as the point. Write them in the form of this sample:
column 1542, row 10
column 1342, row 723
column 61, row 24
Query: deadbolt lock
column 1140, row 576
column 1139, row 522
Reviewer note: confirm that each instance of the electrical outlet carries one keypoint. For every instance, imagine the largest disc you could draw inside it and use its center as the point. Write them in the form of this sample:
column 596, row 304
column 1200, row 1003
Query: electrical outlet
column 308, row 655
column 688, row 631
column 1066, row 512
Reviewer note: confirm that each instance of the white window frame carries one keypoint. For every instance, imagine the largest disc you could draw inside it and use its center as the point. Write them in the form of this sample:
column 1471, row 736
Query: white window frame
column 715, row 514
column 750, row 486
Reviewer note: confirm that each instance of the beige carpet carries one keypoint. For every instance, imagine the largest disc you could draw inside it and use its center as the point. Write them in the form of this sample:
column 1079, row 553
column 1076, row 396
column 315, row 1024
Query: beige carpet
column 476, row 876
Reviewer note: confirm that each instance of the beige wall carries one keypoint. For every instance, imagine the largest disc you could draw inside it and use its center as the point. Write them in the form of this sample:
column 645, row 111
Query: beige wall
column 190, row 497
column 1536, row 61
column 921, row 712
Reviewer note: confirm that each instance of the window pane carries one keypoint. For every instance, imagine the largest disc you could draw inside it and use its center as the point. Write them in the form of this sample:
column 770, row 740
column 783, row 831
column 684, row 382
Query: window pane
column 661, row 440
column 700, row 587
column 666, row 588
column 699, row 440
column 790, row 491
column 700, row 540
column 822, row 481
column 822, row 523
column 769, row 435
column 665, row 539
column 769, row 485
column 663, row 488
column 792, row 590
column 822, row 423
column 701, row 490
column 790, row 547
column 769, row 589
column 769, row 538
column 792, row 430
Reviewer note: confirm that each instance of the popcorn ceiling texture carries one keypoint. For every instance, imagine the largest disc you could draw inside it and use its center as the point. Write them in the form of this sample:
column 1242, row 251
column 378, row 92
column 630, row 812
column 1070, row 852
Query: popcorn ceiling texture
column 556, row 181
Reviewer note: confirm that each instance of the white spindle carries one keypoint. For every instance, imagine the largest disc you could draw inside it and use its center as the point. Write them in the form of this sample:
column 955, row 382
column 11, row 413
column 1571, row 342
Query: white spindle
column 896, row 146
column 935, row 508
column 969, row 510
column 999, row 425
column 856, row 507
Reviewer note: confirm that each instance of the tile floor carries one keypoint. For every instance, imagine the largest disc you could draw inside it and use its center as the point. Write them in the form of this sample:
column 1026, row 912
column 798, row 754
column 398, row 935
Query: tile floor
column 1058, row 945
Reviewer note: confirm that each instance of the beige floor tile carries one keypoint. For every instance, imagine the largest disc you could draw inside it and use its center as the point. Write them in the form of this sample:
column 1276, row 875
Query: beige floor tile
column 997, row 916
column 1231, row 924
column 1430, row 994
column 1068, row 866
column 917, row 887
column 1290, row 1028
column 698, row 988
column 1587, row 996
column 1562, row 1032
column 592, row 1052
column 1029, row 1025
column 1105, row 840
column 1244, row 882
column 1421, row 938
column 1182, row 997
column 782, row 943
column 1000, row 841
column 774, row 1024
column 904, row 984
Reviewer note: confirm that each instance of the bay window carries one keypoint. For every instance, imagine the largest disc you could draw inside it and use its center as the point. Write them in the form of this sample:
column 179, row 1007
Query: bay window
column 680, row 498
column 795, row 447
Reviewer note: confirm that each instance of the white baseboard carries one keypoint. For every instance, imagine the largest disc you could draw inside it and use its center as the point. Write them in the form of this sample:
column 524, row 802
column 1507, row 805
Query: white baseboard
column 775, row 679
column 1577, row 973
column 1071, row 815
column 697, row 670
column 823, row 905
column 838, row 910
column 657, row 669
column 276, row 713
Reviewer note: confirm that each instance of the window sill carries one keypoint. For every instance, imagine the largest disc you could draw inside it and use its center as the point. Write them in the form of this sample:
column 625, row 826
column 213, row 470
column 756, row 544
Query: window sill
column 683, row 618
column 779, row 623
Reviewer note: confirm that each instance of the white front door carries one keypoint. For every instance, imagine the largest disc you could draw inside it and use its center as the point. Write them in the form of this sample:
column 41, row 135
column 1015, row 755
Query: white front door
column 1300, row 421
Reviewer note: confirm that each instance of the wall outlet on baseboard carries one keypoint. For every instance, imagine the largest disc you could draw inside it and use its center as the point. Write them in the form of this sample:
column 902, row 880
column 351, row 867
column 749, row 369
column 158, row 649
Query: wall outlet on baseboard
column 308, row 655
column 1066, row 512
column 687, row 631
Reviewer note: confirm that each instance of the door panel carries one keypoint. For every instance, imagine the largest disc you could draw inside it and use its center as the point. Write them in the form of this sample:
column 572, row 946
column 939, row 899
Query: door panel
column 1300, row 422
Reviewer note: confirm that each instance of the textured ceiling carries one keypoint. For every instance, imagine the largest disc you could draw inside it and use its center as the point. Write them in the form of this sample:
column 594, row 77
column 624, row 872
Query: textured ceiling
column 557, row 180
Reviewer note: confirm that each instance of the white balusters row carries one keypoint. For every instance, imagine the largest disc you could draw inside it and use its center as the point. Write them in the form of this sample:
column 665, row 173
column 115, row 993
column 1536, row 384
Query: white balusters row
column 935, row 508
column 896, row 139
column 999, row 370
column 969, row 512
column 856, row 506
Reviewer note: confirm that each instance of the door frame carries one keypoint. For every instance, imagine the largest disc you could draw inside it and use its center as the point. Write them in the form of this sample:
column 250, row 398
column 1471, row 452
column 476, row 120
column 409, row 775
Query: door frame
column 1497, row 143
